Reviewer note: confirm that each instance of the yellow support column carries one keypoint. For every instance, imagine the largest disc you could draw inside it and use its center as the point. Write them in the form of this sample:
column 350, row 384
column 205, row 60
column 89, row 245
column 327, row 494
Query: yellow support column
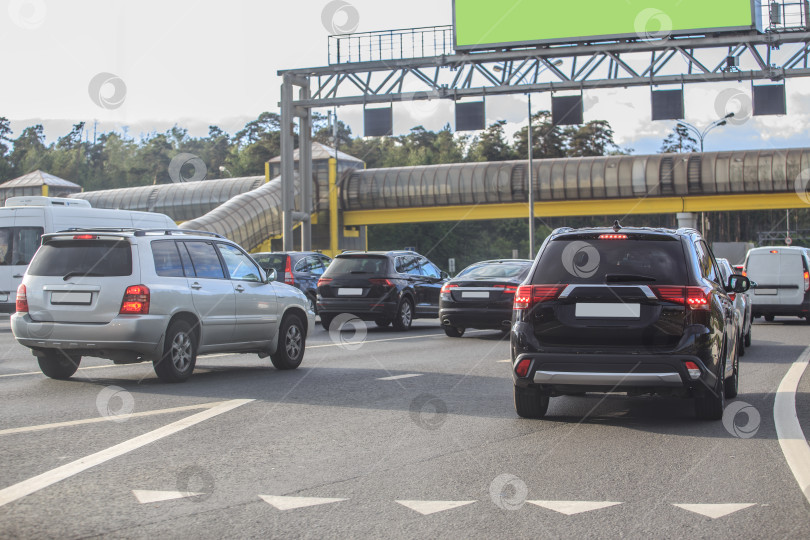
column 44, row 190
column 266, row 171
column 333, row 208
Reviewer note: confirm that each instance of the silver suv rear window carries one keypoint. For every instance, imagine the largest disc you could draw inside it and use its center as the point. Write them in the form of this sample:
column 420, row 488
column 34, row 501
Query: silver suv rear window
column 594, row 261
column 102, row 258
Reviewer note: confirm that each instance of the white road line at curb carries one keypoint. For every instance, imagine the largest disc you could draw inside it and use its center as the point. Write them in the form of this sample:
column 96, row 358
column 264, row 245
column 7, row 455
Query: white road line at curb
column 788, row 429
column 111, row 418
column 27, row 487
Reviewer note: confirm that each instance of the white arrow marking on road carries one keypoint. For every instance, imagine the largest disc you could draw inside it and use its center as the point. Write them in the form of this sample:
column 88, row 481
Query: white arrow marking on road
column 431, row 507
column 145, row 496
column 291, row 503
column 397, row 377
column 714, row 511
column 46, row 479
column 569, row 508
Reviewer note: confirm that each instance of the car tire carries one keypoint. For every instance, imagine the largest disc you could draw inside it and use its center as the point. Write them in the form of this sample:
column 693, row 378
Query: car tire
column 747, row 339
column 769, row 318
column 179, row 354
column 382, row 323
column 732, row 384
column 292, row 339
column 741, row 346
column 452, row 331
column 710, row 405
column 57, row 364
column 326, row 321
column 404, row 317
column 530, row 402
column 313, row 304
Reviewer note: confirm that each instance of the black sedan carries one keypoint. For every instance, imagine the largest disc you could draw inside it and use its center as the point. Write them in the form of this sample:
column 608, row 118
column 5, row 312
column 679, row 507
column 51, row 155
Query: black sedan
column 481, row 296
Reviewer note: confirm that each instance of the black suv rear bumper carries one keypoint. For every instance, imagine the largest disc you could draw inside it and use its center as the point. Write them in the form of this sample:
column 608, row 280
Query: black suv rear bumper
column 367, row 310
column 559, row 373
column 497, row 319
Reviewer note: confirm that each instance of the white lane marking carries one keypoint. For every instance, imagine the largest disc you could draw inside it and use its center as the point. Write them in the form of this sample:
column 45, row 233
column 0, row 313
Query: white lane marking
column 118, row 418
column 714, row 511
column 431, row 507
column 291, row 503
column 504, row 361
column 203, row 357
column 569, row 508
column 398, row 377
column 146, row 496
column 788, row 429
column 390, row 339
column 32, row 485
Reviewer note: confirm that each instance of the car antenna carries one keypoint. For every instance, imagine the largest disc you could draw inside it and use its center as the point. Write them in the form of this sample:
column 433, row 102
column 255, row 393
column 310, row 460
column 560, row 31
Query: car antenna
column 617, row 226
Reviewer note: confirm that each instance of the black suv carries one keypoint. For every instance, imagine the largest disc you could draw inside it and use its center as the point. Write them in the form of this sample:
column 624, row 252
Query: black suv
column 384, row 287
column 635, row 310
column 300, row 269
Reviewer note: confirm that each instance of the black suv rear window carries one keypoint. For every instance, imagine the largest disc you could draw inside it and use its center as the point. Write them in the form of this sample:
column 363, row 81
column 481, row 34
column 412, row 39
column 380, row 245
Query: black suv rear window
column 593, row 261
column 361, row 264
column 277, row 262
column 102, row 258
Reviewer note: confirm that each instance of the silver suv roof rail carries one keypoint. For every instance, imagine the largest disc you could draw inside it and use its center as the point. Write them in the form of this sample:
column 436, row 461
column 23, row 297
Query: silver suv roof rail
column 171, row 232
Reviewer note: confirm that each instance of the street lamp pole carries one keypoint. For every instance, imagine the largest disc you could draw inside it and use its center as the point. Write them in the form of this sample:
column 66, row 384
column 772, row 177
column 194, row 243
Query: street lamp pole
column 701, row 135
column 531, row 183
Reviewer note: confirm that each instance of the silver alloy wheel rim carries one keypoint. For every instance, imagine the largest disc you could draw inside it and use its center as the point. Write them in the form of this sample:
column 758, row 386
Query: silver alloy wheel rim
column 292, row 342
column 405, row 313
column 181, row 351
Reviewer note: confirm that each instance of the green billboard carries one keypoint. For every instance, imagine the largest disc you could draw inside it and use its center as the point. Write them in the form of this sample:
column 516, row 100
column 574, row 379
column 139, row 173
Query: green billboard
column 483, row 24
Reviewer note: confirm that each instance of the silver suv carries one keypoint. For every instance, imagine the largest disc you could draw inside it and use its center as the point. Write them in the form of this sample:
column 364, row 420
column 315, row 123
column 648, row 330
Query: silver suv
column 159, row 295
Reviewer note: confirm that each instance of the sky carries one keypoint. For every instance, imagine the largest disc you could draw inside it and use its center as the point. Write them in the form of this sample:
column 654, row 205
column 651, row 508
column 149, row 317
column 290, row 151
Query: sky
column 146, row 66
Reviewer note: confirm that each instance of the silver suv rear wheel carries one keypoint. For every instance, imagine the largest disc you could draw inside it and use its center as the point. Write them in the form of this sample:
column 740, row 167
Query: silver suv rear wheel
column 179, row 353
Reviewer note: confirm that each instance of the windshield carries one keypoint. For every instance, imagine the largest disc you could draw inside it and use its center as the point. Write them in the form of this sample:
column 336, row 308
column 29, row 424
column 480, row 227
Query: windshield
column 83, row 257
column 18, row 244
column 512, row 270
column 271, row 260
column 593, row 261
column 358, row 264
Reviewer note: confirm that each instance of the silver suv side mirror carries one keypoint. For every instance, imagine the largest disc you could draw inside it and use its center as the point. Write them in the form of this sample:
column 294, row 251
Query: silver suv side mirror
column 271, row 275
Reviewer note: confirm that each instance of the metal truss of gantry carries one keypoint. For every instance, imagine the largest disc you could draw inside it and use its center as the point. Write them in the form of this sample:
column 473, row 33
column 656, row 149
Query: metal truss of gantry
column 385, row 75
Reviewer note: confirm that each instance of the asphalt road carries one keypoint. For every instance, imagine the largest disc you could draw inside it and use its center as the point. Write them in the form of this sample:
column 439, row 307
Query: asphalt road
column 386, row 434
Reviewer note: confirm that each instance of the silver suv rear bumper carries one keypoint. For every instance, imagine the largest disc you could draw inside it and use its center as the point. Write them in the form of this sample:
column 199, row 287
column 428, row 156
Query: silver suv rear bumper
column 141, row 334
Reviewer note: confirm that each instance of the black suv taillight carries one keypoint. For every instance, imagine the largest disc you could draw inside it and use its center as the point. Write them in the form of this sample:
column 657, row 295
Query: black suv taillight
column 136, row 301
column 529, row 295
column 696, row 298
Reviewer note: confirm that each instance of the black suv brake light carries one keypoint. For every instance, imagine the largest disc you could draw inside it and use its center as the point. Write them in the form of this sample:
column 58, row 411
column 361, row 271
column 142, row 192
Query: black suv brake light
column 529, row 295
column 696, row 298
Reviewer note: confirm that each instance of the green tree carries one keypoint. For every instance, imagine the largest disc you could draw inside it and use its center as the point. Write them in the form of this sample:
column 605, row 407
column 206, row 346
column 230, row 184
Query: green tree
column 592, row 139
column 680, row 140
column 491, row 145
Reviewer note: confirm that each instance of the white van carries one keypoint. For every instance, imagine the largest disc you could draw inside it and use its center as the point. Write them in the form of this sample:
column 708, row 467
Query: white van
column 782, row 275
column 24, row 220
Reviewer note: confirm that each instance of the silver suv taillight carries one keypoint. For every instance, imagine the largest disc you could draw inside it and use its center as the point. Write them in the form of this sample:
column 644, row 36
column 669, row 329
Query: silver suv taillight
column 22, row 299
column 136, row 301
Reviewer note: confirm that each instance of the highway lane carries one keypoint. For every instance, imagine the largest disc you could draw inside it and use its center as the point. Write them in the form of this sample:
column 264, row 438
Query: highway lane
column 373, row 419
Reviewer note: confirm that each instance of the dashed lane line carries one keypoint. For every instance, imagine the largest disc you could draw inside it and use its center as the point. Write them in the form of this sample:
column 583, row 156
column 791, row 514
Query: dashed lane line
column 221, row 355
column 111, row 418
column 46, row 479
column 398, row 377
column 788, row 429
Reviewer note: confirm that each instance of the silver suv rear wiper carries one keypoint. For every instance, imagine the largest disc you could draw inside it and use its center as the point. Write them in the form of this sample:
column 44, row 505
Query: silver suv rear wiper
column 82, row 274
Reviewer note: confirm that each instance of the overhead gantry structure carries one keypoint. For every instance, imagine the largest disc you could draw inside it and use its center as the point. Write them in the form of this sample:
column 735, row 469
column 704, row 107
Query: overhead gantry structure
column 397, row 66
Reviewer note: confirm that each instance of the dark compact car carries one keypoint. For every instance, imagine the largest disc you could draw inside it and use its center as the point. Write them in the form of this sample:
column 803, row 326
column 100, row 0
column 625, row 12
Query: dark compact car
column 481, row 296
column 635, row 310
column 391, row 287
column 300, row 269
